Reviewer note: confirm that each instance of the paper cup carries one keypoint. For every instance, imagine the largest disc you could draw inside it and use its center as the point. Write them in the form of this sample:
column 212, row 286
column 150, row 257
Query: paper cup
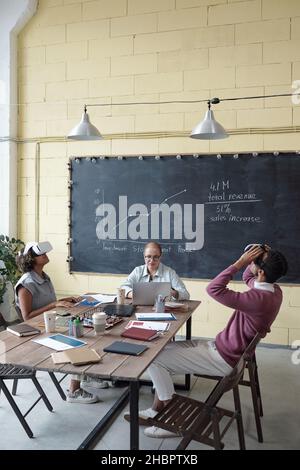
column 49, row 319
column 99, row 323
column 120, row 296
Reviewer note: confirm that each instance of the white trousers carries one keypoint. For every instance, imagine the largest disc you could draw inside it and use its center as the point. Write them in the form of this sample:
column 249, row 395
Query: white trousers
column 185, row 357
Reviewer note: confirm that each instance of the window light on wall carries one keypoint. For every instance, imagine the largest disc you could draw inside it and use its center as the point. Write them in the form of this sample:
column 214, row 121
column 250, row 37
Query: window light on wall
column 206, row 129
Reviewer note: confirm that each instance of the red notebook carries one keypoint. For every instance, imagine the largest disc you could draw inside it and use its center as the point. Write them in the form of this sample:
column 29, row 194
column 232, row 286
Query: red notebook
column 140, row 333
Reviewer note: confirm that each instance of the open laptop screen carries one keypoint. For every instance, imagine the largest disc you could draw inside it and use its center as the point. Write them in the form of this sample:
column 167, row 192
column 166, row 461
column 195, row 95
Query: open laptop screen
column 145, row 293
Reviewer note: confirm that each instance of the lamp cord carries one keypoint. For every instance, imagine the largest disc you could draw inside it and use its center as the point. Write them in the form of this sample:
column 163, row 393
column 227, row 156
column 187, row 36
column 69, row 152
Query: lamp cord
column 208, row 101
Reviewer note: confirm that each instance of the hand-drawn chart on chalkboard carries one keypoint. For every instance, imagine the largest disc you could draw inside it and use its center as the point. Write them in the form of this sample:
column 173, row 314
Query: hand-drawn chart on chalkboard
column 203, row 210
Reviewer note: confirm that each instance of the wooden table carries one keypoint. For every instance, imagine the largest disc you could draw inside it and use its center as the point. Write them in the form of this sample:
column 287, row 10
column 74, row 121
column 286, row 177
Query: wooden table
column 23, row 352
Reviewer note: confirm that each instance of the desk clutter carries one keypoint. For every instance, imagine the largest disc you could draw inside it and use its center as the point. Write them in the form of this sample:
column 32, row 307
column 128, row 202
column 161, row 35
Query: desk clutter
column 87, row 321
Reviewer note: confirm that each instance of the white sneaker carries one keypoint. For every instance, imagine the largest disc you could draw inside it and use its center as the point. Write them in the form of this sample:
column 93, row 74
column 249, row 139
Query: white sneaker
column 93, row 384
column 81, row 396
column 160, row 433
column 143, row 416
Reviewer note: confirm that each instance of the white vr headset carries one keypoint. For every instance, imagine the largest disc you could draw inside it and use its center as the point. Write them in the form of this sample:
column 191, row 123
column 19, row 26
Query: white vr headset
column 38, row 248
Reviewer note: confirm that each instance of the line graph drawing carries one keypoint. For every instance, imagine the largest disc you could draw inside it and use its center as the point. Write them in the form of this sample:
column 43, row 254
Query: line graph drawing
column 147, row 214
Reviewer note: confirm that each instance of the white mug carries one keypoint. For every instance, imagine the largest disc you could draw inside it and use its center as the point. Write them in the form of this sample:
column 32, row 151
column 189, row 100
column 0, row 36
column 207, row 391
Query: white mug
column 120, row 296
column 49, row 319
column 99, row 322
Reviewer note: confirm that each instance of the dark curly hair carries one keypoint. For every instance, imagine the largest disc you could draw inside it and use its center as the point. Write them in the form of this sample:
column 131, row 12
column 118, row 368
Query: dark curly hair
column 274, row 265
column 26, row 262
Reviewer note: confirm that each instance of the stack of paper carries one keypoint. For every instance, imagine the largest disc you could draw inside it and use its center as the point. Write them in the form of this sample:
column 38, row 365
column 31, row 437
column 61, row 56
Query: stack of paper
column 155, row 316
column 149, row 325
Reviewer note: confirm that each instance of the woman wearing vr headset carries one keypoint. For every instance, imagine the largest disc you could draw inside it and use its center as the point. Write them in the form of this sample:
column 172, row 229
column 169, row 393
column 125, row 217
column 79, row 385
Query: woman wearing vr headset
column 34, row 291
column 34, row 295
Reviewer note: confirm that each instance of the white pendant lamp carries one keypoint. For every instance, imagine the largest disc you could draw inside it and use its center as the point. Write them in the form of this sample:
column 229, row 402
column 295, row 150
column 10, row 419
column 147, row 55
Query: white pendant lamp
column 209, row 128
column 85, row 130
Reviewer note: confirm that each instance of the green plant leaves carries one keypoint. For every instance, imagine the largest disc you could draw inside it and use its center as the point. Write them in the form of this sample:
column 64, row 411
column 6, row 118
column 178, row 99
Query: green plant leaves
column 9, row 248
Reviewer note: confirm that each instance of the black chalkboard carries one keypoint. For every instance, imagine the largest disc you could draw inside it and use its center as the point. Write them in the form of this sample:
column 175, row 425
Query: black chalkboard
column 202, row 209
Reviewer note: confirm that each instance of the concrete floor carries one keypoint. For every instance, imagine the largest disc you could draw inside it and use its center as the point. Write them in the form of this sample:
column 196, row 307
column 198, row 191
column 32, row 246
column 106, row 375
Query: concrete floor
column 69, row 424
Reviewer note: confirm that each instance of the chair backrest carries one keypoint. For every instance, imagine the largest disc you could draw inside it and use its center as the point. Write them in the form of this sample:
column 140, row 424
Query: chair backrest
column 227, row 383
column 230, row 381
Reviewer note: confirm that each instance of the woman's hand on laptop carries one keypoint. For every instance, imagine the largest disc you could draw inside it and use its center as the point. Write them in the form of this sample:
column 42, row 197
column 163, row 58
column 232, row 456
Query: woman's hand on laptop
column 72, row 299
column 63, row 303
column 174, row 294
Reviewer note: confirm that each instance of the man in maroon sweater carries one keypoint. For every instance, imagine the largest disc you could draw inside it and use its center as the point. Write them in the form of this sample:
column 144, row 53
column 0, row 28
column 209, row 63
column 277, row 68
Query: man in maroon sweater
column 255, row 311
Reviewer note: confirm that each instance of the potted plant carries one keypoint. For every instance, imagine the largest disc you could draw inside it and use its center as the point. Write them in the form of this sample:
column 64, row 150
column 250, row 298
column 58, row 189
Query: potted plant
column 9, row 275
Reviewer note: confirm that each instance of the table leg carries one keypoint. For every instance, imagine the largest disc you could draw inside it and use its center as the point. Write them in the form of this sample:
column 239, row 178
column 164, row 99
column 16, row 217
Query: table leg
column 188, row 335
column 99, row 430
column 134, row 415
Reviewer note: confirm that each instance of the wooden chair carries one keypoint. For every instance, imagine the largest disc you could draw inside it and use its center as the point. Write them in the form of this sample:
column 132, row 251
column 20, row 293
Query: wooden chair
column 9, row 372
column 253, row 382
column 202, row 421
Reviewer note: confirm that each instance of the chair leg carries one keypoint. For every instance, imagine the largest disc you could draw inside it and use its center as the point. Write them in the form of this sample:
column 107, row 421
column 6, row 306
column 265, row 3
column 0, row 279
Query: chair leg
column 42, row 393
column 14, row 387
column 255, row 401
column 16, row 409
column 253, row 364
column 239, row 418
column 184, row 443
column 216, row 430
column 57, row 385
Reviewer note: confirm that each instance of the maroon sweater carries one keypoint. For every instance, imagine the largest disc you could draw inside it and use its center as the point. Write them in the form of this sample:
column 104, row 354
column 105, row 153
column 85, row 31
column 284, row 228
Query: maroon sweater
column 255, row 311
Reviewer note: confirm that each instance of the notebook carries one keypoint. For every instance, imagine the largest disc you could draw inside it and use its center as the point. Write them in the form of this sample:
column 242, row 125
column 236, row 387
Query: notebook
column 140, row 333
column 76, row 356
column 119, row 310
column 23, row 329
column 145, row 293
column 121, row 347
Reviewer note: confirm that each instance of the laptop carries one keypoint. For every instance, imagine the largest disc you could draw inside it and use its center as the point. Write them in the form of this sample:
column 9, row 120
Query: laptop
column 145, row 293
column 119, row 310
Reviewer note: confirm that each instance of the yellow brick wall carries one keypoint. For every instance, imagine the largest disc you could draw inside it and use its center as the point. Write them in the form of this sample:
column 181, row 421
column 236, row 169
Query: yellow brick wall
column 81, row 51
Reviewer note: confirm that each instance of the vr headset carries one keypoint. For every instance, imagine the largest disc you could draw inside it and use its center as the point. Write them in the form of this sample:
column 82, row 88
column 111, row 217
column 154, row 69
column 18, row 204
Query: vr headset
column 38, row 248
column 262, row 246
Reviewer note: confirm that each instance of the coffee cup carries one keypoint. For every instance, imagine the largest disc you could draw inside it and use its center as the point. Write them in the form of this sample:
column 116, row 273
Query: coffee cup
column 49, row 319
column 120, row 296
column 99, row 322
column 160, row 303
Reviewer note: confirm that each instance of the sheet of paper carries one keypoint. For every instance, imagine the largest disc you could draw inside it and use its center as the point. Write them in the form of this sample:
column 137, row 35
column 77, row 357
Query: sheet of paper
column 66, row 343
column 102, row 298
column 149, row 325
column 155, row 316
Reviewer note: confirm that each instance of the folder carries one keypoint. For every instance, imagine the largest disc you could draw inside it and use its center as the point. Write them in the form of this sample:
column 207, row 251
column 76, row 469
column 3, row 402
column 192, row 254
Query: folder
column 122, row 347
column 140, row 333
column 76, row 356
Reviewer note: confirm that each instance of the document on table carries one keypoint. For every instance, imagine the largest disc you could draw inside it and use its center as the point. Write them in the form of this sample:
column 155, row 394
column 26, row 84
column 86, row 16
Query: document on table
column 102, row 298
column 155, row 316
column 148, row 325
column 60, row 342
